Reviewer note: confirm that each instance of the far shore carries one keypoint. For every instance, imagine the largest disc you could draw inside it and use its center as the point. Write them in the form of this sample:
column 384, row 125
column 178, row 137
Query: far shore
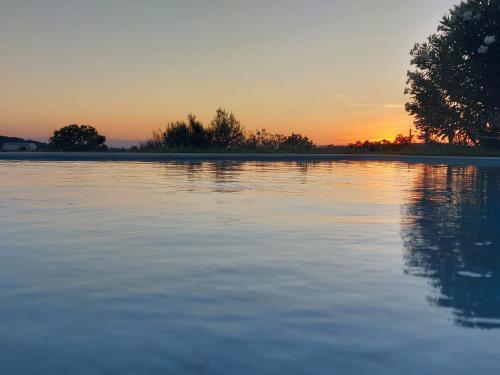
column 159, row 157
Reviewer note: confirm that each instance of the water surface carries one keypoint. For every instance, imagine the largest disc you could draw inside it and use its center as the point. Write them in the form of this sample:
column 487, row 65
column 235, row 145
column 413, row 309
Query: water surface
column 247, row 267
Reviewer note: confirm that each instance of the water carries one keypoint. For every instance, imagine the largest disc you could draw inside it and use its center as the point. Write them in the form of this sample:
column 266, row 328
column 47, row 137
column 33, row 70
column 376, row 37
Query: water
column 344, row 267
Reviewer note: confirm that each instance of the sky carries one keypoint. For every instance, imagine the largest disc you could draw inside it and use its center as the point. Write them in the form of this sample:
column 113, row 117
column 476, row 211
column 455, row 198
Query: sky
column 334, row 70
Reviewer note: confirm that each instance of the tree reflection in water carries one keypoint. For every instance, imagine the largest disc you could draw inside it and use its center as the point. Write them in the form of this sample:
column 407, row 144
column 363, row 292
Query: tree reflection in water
column 451, row 235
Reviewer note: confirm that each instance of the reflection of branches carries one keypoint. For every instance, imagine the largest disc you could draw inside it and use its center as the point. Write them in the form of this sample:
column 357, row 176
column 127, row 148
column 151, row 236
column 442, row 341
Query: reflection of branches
column 450, row 230
column 224, row 175
column 226, row 171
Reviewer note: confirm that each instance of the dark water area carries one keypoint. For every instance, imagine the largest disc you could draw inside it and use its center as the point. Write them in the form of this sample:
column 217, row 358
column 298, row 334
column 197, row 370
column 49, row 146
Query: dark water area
column 249, row 267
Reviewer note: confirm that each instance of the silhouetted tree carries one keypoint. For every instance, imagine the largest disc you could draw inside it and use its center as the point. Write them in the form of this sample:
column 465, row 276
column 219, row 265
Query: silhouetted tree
column 400, row 143
column 77, row 138
column 200, row 138
column 186, row 135
column 454, row 84
column 226, row 131
column 297, row 142
column 434, row 117
column 177, row 135
column 402, row 140
column 262, row 140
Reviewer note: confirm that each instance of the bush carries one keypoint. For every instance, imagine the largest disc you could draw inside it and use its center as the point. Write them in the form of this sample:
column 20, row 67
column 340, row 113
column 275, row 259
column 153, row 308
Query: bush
column 177, row 135
column 77, row 138
column 182, row 135
column 155, row 143
column 226, row 132
column 261, row 140
column 297, row 142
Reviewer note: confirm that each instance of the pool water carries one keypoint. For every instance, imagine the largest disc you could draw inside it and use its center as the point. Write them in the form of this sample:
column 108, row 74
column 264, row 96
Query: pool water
column 247, row 267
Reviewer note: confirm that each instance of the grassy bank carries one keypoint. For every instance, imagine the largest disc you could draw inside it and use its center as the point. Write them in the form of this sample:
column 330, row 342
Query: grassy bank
column 391, row 149
column 418, row 150
column 438, row 150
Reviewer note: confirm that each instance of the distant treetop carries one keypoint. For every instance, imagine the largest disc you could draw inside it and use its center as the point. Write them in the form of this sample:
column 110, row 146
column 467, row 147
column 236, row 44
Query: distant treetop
column 77, row 138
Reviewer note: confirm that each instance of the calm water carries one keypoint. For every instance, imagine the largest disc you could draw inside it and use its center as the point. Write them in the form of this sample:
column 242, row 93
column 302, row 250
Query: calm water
column 150, row 268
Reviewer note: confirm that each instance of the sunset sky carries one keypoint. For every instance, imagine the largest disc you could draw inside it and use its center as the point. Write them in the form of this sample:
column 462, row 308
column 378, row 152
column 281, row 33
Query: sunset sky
column 334, row 70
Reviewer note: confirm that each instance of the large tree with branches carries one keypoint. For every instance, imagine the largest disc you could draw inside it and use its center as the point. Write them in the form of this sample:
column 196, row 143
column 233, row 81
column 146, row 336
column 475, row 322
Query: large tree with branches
column 455, row 77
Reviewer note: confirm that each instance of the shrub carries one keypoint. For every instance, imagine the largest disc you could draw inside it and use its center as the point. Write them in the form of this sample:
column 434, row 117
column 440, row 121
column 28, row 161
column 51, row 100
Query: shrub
column 77, row 138
column 297, row 142
column 261, row 140
column 226, row 132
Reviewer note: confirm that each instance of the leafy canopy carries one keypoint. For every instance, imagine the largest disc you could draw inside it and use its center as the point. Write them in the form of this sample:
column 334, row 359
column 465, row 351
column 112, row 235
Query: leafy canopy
column 77, row 138
column 453, row 84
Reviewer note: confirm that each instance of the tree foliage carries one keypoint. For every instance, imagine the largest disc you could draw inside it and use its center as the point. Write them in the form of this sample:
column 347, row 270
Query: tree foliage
column 77, row 138
column 262, row 140
column 297, row 142
column 226, row 131
column 186, row 135
column 453, row 85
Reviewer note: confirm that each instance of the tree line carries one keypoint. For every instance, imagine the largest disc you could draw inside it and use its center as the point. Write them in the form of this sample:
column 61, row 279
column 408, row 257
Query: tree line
column 399, row 143
column 224, row 133
column 455, row 77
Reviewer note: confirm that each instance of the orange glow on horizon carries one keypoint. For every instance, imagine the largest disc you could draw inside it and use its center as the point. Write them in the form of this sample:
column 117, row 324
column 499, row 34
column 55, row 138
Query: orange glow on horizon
column 321, row 133
column 332, row 72
column 342, row 129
